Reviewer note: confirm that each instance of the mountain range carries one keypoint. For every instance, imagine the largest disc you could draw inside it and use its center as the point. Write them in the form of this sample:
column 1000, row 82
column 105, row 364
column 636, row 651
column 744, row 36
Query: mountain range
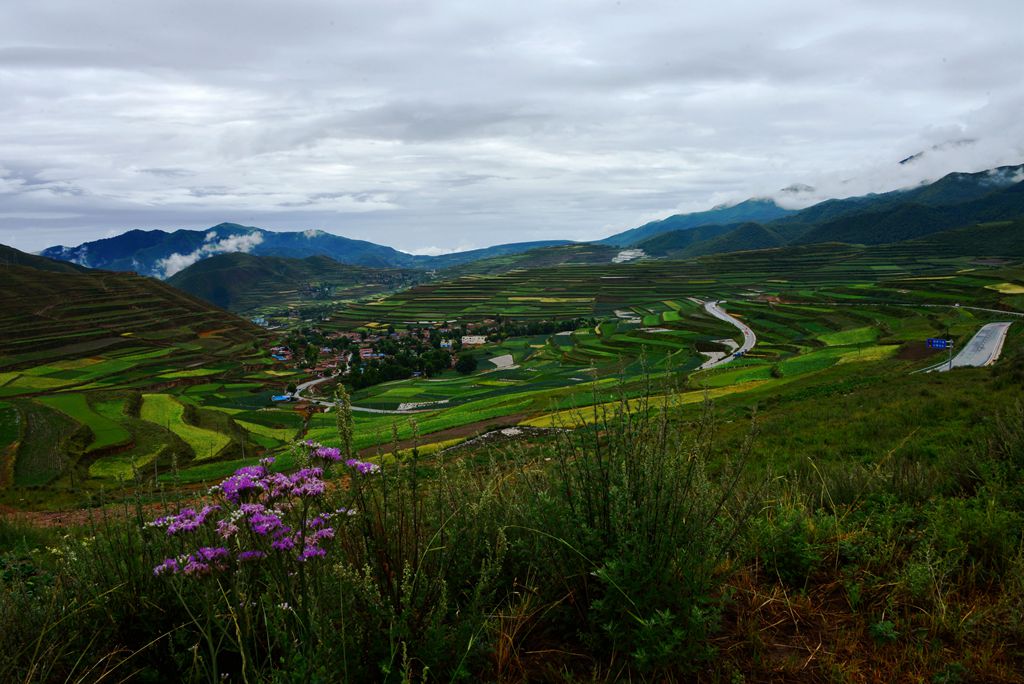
column 956, row 200
column 161, row 254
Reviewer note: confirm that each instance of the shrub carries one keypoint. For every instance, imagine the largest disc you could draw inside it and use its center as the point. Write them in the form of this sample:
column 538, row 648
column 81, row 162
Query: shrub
column 628, row 531
column 786, row 547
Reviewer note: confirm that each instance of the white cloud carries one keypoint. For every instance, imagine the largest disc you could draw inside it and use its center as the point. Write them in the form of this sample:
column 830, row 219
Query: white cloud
column 434, row 250
column 445, row 122
column 233, row 243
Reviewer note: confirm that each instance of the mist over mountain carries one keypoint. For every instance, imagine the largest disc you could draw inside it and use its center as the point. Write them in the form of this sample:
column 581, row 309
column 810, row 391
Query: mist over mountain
column 954, row 200
column 161, row 254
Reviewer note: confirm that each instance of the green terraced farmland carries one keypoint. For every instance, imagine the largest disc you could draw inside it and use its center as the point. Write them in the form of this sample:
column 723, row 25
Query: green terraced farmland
column 106, row 432
column 166, row 411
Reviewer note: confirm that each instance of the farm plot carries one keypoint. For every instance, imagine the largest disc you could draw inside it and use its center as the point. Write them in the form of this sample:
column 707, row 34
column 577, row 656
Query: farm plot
column 167, row 412
column 106, row 432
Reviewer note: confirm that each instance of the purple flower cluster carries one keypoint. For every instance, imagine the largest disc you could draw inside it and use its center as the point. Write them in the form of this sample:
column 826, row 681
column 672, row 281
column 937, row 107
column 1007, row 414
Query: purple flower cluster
column 245, row 481
column 364, row 467
column 187, row 520
column 330, row 454
column 203, row 562
column 266, row 514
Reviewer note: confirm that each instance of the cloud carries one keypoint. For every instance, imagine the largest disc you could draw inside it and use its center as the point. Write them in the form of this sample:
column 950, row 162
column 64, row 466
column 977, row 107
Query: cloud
column 233, row 243
column 434, row 250
column 411, row 123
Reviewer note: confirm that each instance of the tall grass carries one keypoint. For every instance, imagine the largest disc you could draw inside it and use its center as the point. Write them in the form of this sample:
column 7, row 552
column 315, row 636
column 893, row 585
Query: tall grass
column 623, row 547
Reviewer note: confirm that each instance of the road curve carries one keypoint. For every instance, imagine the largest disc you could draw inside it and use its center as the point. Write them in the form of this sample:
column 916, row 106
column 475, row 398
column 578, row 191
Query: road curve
column 749, row 338
column 982, row 350
column 328, row 403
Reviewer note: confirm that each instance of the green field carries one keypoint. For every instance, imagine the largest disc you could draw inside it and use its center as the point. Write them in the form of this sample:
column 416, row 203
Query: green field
column 205, row 395
column 167, row 412
column 106, row 432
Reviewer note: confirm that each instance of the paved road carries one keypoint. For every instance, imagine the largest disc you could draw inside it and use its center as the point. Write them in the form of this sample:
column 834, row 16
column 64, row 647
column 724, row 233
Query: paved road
column 983, row 349
column 324, row 402
column 749, row 338
column 299, row 389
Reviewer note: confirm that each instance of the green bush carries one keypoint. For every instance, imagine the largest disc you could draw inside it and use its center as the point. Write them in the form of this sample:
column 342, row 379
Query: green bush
column 786, row 547
column 629, row 530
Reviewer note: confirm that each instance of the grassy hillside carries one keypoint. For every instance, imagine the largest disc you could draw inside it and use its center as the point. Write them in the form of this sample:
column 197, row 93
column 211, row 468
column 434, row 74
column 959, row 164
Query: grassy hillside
column 13, row 257
column 51, row 309
column 537, row 258
column 79, row 348
column 753, row 210
column 244, row 282
column 713, row 240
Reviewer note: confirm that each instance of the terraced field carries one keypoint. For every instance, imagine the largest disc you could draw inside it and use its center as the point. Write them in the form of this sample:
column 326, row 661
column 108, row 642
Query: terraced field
column 816, row 310
column 80, row 347
column 195, row 399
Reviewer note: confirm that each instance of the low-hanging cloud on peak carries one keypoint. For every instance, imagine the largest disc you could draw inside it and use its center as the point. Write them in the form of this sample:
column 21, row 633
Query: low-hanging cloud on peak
column 243, row 242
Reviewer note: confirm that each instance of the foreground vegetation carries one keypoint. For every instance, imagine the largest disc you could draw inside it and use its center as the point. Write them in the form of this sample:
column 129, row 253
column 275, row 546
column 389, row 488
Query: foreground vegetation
column 657, row 543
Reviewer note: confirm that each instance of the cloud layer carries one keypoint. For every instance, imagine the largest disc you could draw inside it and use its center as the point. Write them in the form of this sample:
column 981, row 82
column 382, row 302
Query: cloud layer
column 233, row 243
column 427, row 126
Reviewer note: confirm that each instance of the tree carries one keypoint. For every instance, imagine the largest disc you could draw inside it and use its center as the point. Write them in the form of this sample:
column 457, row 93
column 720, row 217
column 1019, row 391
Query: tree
column 466, row 364
column 312, row 355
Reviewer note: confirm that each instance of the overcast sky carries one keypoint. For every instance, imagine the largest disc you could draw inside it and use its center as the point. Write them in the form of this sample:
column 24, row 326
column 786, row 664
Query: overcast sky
column 437, row 125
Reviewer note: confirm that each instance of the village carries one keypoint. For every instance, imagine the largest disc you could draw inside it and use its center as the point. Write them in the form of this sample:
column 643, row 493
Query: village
column 369, row 356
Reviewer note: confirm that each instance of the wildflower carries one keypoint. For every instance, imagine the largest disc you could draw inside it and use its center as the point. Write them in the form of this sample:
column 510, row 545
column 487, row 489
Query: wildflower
column 364, row 467
column 245, row 480
column 169, row 565
column 307, row 482
column 311, row 552
column 276, row 485
column 246, row 556
column 226, row 528
column 283, row 544
column 187, row 520
column 206, row 560
column 318, row 521
column 263, row 523
column 332, row 454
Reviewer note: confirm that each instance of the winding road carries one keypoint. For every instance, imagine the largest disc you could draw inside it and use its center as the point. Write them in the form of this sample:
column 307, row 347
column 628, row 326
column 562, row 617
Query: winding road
column 749, row 338
column 323, row 402
column 982, row 350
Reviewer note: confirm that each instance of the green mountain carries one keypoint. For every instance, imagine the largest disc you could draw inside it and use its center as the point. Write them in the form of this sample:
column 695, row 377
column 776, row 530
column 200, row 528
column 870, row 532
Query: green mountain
column 680, row 244
column 542, row 257
column 996, row 239
column 759, row 210
column 48, row 305
column 244, row 282
column 911, row 220
column 12, row 257
column 677, row 241
column 162, row 254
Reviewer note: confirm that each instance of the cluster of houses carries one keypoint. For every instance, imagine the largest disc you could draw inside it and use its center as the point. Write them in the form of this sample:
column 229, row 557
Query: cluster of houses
column 281, row 353
column 364, row 347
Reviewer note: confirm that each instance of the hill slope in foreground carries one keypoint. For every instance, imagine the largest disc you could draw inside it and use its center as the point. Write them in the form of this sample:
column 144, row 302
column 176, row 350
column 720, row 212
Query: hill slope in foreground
column 96, row 369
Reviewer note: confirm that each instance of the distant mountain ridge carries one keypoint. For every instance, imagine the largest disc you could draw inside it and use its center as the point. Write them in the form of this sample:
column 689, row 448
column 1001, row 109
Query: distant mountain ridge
column 954, row 200
column 161, row 254
column 957, row 200
column 752, row 210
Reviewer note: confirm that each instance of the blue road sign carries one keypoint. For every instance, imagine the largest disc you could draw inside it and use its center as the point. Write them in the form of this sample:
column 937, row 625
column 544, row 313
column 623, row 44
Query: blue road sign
column 939, row 343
